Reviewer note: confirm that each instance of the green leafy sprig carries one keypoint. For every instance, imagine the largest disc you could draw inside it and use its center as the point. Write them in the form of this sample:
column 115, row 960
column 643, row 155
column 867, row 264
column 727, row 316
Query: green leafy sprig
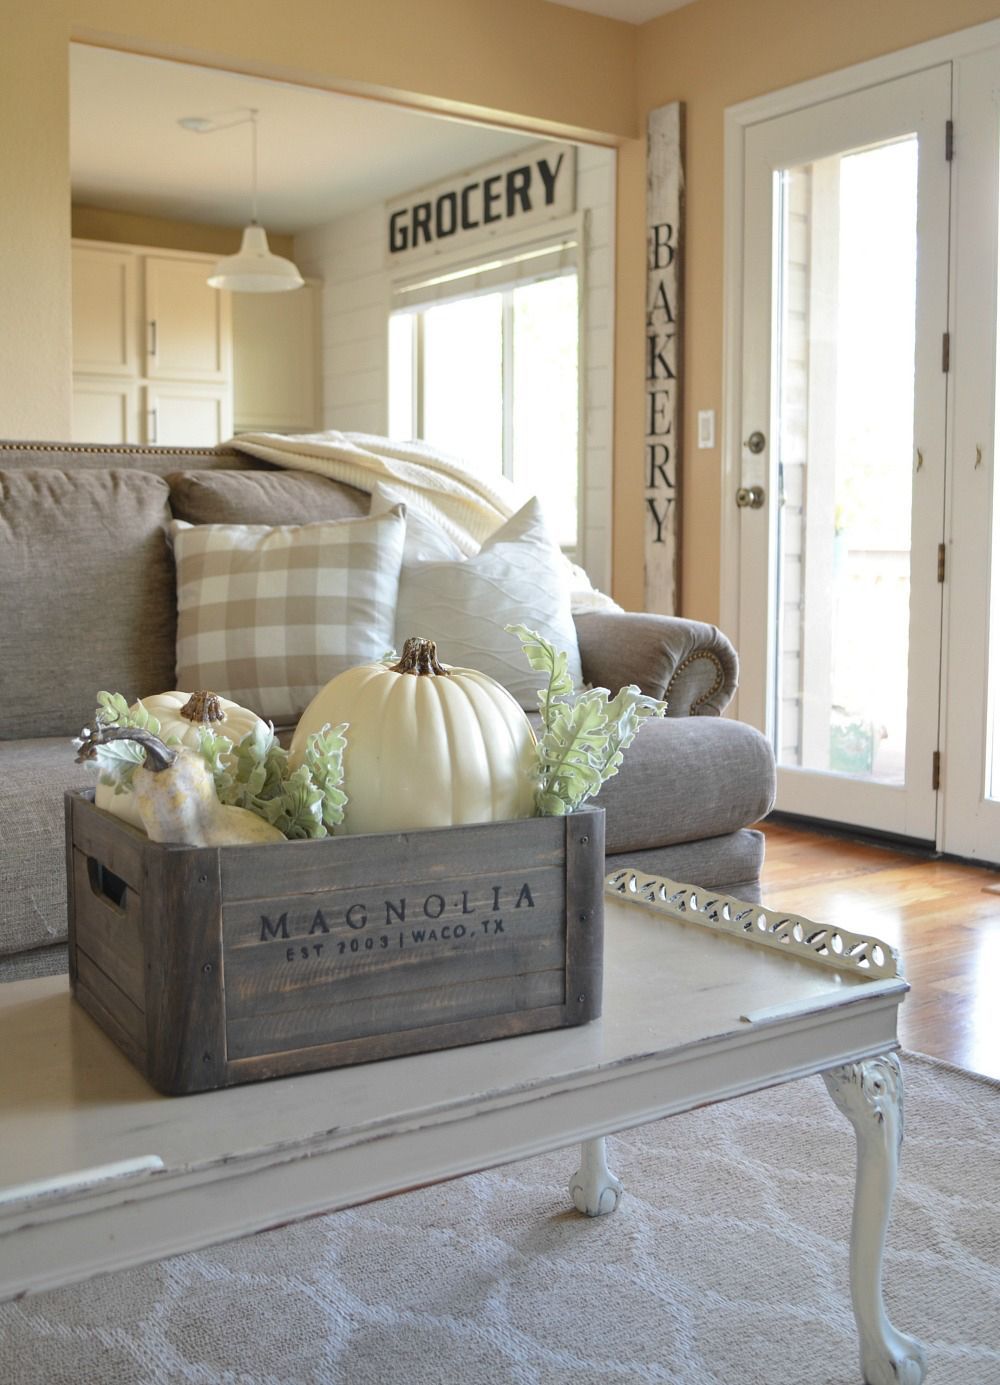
column 584, row 735
column 256, row 774
column 325, row 762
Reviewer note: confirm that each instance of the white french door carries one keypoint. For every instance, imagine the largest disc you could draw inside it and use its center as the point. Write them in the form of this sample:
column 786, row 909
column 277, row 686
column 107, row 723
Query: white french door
column 843, row 440
column 861, row 555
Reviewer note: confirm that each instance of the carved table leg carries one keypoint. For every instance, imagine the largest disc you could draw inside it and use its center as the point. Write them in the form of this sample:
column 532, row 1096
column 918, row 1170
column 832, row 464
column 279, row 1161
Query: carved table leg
column 594, row 1188
column 870, row 1093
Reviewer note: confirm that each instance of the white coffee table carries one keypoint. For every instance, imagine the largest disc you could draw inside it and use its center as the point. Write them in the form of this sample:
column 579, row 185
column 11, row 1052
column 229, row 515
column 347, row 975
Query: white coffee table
column 705, row 999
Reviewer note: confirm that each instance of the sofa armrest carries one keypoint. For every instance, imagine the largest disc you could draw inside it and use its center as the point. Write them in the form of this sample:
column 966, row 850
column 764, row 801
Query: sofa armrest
column 691, row 664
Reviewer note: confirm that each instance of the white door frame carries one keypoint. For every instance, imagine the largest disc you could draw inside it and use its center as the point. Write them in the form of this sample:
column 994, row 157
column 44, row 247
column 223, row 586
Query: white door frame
column 969, row 822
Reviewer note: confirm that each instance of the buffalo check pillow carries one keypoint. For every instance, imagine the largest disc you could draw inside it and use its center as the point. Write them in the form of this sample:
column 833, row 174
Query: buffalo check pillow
column 267, row 615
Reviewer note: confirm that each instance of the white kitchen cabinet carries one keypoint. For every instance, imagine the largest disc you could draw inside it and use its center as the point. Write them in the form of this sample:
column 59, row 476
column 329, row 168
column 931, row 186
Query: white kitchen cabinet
column 105, row 409
column 152, row 347
column 105, row 311
column 276, row 354
column 184, row 413
column 188, row 330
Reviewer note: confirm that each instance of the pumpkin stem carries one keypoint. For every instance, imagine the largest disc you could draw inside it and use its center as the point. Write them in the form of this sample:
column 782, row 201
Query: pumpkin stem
column 203, row 707
column 419, row 656
column 158, row 755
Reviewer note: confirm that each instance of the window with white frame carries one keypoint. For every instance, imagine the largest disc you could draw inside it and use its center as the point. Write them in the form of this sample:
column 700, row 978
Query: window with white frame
column 484, row 364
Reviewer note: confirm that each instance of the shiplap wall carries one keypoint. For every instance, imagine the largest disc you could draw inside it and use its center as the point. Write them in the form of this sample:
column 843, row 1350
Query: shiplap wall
column 348, row 255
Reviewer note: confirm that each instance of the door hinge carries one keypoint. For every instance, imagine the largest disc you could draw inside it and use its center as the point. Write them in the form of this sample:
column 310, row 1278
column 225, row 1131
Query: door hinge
column 936, row 771
column 946, row 352
column 941, row 552
column 949, row 140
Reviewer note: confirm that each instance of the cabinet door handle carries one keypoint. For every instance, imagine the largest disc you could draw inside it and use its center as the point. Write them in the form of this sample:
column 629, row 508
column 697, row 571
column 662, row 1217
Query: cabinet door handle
column 152, row 428
column 152, row 337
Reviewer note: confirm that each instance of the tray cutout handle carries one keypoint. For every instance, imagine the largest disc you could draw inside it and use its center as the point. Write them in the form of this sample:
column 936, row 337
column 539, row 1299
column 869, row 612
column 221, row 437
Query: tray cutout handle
column 108, row 887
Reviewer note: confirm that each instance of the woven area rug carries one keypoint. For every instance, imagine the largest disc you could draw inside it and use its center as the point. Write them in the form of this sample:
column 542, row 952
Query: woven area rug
column 724, row 1265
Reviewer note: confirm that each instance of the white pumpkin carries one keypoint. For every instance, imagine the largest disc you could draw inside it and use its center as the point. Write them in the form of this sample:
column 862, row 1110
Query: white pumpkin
column 427, row 745
column 183, row 716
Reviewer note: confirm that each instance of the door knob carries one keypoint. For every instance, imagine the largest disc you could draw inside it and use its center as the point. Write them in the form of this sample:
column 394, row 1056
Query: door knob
column 751, row 497
column 755, row 443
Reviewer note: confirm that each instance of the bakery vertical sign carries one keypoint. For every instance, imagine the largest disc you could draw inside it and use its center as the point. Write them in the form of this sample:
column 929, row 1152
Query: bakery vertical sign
column 664, row 238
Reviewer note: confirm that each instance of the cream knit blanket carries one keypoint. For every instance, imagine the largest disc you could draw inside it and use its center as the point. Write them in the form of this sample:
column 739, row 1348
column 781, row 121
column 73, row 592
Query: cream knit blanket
column 466, row 506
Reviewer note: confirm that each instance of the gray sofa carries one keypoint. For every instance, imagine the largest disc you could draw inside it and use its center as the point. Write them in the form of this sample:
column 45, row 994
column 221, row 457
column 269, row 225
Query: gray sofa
column 88, row 602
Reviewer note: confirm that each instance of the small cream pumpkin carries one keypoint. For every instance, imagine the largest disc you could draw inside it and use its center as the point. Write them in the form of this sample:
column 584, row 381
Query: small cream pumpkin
column 183, row 716
column 427, row 745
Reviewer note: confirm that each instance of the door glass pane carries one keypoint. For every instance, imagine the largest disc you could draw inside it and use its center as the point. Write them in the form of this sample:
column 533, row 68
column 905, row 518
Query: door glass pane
column 845, row 395
column 463, row 380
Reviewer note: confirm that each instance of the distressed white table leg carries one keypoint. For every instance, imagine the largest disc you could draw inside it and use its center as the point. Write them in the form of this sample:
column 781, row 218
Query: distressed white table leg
column 594, row 1188
column 870, row 1094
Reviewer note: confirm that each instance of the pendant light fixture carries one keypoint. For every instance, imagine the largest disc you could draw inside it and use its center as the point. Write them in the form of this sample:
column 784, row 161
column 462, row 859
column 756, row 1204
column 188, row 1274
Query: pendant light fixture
column 254, row 268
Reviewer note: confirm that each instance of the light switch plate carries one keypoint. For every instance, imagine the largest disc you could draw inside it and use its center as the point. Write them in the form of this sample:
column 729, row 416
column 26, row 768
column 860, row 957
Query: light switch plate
column 706, row 427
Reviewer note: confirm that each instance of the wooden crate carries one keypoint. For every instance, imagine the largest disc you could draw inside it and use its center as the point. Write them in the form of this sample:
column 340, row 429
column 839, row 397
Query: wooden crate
column 210, row 966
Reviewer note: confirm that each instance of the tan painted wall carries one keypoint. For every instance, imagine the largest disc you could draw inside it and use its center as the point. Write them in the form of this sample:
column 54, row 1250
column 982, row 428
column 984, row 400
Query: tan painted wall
column 521, row 58
column 129, row 228
column 523, row 62
column 34, row 226
column 713, row 54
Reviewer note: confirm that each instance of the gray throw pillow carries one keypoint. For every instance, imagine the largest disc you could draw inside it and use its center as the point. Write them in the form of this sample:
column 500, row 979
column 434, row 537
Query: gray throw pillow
column 261, row 497
column 87, row 586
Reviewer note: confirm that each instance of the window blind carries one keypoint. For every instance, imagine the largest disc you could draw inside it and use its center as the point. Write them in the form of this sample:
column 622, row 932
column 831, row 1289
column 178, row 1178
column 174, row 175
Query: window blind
column 514, row 267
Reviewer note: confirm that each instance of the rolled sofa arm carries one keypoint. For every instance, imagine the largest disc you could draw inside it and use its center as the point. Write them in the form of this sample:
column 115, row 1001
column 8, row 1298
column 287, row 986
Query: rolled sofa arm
column 691, row 664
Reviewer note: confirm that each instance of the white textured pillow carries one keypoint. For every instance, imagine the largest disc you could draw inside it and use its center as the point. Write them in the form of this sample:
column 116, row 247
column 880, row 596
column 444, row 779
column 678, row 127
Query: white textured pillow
column 519, row 576
column 426, row 541
column 268, row 615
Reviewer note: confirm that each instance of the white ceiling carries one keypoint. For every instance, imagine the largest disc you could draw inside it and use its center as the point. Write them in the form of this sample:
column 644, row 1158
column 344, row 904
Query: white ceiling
column 320, row 155
column 631, row 11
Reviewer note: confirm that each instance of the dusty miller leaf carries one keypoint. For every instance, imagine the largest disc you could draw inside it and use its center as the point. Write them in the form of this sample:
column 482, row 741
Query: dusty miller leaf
column 585, row 735
column 256, row 771
column 627, row 710
column 117, row 762
column 544, row 658
column 113, row 710
column 298, row 809
column 215, row 751
column 324, row 759
column 305, row 802
column 573, row 749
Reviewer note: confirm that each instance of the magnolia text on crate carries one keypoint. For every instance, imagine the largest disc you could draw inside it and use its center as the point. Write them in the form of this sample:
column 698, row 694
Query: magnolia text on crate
column 390, row 912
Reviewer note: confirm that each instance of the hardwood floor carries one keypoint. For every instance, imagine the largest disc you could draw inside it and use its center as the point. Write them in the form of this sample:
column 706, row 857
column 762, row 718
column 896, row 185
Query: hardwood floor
column 942, row 917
